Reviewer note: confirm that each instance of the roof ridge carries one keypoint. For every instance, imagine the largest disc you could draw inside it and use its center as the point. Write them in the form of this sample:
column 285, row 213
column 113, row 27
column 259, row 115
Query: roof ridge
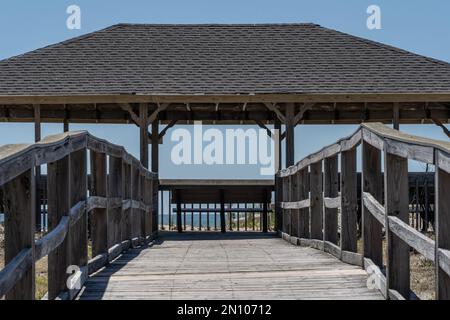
column 220, row 24
column 385, row 46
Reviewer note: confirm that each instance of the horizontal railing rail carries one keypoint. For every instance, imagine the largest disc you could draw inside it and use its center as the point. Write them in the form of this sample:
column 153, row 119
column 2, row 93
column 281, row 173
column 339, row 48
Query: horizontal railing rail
column 118, row 207
column 312, row 193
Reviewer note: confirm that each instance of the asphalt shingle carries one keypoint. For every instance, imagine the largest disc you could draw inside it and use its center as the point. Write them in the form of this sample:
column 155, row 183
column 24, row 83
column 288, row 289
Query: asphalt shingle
column 220, row 59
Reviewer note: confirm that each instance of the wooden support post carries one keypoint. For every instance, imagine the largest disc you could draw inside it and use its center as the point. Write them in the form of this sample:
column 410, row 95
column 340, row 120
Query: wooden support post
column 222, row 211
column 316, row 208
column 99, row 217
column 264, row 214
column 58, row 207
column 331, row 190
column 66, row 126
column 397, row 205
column 115, row 189
column 303, row 194
column 442, row 226
column 19, row 230
column 349, row 201
column 396, row 116
column 142, row 211
column 290, row 125
column 179, row 226
column 148, row 195
column 286, row 198
column 155, row 169
column 372, row 183
column 126, row 192
column 143, row 129
column 278, row 183
column 37, row 138
column 78, row 189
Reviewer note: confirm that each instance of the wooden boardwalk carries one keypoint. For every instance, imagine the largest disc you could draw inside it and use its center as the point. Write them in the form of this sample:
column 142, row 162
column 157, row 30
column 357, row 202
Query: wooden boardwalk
column 227, row 266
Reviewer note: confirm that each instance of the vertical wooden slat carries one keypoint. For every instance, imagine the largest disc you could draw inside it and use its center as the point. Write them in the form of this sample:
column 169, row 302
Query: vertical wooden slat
column 278, row 180
column 148, row 195
column 396, row 116
column 349, row 201
column 294, row 197
column 290, row 145
column 442, row 225
column 303, row 193
column 286, row 215
column 372, row 183
column 58, row 207
column 331, row 189
column 155, row 169
column 19, row 230
column 142, row 211
column 37, row 138
column 78, row 188
column 316, row 208
column 126, row 191
column 99, row 227
column 115, row 189
column 397, row 204
column 135, row 213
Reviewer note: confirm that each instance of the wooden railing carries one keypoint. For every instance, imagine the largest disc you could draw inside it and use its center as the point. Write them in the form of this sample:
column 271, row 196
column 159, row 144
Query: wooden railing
column 312, row 194
column 118, row 207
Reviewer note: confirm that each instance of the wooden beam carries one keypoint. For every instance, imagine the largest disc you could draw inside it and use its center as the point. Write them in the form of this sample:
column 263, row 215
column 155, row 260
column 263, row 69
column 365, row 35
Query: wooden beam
column 99, row 221
column 37, row 138
column 143, row 113
column 396, row 116
column 166, row 128
column 316, row 197
column 273, row 107
column 263, row 126
column 133, row 115
column 154, row 115
column 330, row 189
column 290, row 145
column 303, row 108
column 440, row 124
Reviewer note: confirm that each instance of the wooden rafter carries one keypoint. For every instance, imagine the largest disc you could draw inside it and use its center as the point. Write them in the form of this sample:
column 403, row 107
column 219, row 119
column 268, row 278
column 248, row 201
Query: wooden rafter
column 440, row 124
column 164, row 131
column 154, row 115
column 299, row 116
column 263, row 126
column 134, row 116
column 273, row 107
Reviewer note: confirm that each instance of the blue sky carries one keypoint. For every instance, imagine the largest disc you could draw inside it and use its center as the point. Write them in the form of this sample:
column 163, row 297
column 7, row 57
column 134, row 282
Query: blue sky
column 418, row 26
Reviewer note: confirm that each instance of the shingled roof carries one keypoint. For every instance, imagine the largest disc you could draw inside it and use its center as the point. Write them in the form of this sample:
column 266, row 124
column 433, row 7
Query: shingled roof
column 220, row 59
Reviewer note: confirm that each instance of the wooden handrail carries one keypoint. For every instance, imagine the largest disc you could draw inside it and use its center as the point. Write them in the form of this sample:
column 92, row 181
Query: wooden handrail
column 390, row 213
column 66, row 156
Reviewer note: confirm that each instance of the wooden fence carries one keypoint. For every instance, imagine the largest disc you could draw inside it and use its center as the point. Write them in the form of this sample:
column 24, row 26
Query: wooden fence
column 118, row 207
column 312, row 195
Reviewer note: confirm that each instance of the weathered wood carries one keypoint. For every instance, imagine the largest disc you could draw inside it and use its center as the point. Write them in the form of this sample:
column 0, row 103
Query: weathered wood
column 135, row 212
column 303, row 194
column 396, row 203
column 143, row 133
column 412, row 237
column 97, row 263
column 290, row 126
column 349, row 201
column 316, row 197
column 52, row 240
column 78, row 188
column 396, row 116
column 148, row 201
column 376, row 276
column 19, row 203
column 372, row 183
column 293, row 189
column 264, row 213
column 99, row 223
column 155, row 170
column 278, row 180
column 374, row 208
column 330, row 190
column 444, row 260
column 115, row 189
column 126, row 212
column 296, row 204
column 58, row 208
column 13, row 272
column 442, row 227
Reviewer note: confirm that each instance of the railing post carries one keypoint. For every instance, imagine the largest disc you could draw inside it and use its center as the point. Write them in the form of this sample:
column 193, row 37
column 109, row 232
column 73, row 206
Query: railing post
column 372, row 183
column 126, row 213
column 349, row 201
column 303, row 194
column 19, row 205
column 316, row 208
column 397, row 204
column 442, row 226
column 264, row 213
column 178, row 195
column 331, row 189
column 115, row 180
column 286, row 212
column 142, row 211
column 135, row 213
column 293, row 197
column 58, row 207
column 148, row 202
column 222, row 211
column 278, row 200
column 99, row 226
column 78, row 189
